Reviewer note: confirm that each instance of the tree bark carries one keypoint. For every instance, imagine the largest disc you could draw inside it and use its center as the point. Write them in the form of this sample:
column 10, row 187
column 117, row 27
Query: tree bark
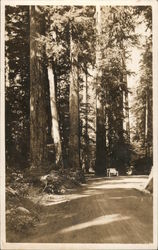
column 125, row 93
column 55, row 132
column 127, row 116
column 37, row 89
column 7, row 81
column 100, row 167
column 145, row 124
column 74, row 151
column 148, row 118
column 86, row 123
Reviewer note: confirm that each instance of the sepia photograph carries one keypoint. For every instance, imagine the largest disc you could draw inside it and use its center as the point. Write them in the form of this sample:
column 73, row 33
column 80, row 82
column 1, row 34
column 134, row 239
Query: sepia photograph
column 79, row 125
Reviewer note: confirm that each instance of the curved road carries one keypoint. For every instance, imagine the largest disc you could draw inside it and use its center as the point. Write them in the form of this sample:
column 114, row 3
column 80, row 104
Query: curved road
column 105, row 210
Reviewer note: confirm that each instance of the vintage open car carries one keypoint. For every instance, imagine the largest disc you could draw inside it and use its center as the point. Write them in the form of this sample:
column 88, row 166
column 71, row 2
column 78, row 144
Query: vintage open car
column 112, row 172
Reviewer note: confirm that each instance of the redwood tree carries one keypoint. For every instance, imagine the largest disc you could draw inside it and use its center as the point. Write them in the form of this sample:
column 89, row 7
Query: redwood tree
column 74, row 153
column 37, row 88
column 100, row 122
column 55, row 132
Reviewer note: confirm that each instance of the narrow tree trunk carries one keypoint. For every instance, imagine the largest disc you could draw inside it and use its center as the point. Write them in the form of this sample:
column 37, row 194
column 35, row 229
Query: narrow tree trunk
column 100, row 124
column 37, row 89
column 145, row 125
column 127, row 116
column 110, row 131
column 7, row 81
column 55, row 132
column 121, row 118
column 74, row 151
column 125, row 93
column 86, row 125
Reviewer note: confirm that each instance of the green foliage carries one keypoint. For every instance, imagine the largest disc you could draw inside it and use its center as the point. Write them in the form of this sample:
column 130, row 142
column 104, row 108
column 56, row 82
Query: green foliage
column 21, row 213
column 142, row 108
column 118, row 34
column 20, row 223
column 17, row 86
column 59, row 182
column 146, row 12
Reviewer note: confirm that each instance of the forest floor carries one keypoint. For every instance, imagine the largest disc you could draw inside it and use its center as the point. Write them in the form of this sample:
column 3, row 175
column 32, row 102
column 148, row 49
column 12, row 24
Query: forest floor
column 104, row 210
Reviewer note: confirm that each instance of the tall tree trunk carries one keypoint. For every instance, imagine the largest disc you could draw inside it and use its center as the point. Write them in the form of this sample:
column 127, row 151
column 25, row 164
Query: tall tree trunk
column 37, row 89
column 145, row 125
column 120, row 130
column 100, row 124
column 127, row 116
column 7, row 81
column 55, row 131
column 109, row 133
column 125, row 93
column 74, row 151
column 86, row 123
column 149, row 121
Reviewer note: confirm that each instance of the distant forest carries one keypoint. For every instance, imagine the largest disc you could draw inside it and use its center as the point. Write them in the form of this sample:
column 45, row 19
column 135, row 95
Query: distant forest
column 67, row 95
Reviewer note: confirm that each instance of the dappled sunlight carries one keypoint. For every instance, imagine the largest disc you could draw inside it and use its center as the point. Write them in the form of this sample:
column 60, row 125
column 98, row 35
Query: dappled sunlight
column 49, row 200
column 91, row 188
column 119, row 185
column 118, row 182
column 122, row 179
column 102, row 220
column 58, row 214
column 125, row 182
column 67, row 216
column 122, row 197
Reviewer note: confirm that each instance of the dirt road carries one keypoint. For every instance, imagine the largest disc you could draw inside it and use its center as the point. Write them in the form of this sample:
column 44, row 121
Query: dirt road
column 105, row 210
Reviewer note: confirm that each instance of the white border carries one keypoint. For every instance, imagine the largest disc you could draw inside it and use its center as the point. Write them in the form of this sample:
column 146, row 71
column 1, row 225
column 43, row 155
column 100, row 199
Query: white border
column 155, row 121
column 78, row 2
column 2, row 128
column 67, row 246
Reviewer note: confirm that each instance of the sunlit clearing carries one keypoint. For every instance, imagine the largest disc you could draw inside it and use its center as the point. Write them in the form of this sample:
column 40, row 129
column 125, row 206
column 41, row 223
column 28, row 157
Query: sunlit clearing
column 96, row 222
